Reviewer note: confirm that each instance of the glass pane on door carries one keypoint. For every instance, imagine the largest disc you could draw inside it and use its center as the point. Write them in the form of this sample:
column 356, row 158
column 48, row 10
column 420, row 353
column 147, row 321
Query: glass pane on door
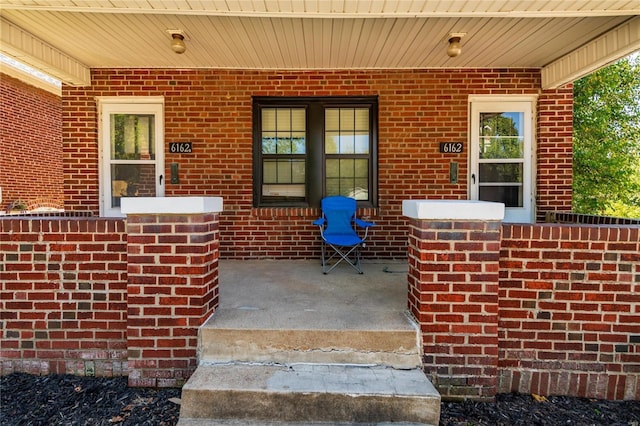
column 511, row 196
column 132, row 137
column 500, row 172
column 500, row 157
column 132, row 146
column 132, row 180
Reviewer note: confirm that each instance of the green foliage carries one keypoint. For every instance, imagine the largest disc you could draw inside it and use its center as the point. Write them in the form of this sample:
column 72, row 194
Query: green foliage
column 18, row 205
column 500, row 139
column 131, row 133
column 606, row 163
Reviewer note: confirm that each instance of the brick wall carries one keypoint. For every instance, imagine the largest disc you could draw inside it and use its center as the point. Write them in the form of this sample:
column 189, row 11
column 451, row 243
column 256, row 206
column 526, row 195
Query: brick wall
column 30, row 145
column 89, row 297
column 172, row 291
column 570, row 310
column 63, row 299
column 418, row 109
column 547, row 309
column 554, row 152
column 453, row 294
column 568, row 304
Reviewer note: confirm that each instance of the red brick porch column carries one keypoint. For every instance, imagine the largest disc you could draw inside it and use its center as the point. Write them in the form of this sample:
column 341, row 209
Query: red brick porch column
column 172, row 254
column 454, row 250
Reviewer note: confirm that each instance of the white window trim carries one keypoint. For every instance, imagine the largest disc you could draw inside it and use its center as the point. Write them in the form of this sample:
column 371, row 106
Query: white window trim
column 104, row 181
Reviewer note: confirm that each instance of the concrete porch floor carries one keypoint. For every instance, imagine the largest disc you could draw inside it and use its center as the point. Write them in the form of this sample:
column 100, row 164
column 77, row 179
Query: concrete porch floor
column 281, row 294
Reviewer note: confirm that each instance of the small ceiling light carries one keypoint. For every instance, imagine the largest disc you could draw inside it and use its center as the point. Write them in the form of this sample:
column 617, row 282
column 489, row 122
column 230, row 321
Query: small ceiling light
column 177, row 43
column 454, row 49
column 178, row 38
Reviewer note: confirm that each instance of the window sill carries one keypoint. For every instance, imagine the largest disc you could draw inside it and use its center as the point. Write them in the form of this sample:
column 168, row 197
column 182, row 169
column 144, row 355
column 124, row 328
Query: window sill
column 303, row 212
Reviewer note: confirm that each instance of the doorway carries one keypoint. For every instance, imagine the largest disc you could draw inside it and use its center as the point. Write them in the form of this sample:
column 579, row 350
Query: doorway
column 501, row 150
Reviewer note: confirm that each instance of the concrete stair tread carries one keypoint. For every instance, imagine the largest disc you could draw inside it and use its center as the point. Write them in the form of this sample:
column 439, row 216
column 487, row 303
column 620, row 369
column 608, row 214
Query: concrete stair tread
column 307, row 318
column 306, row 393
column 234, row 335
column 324, row 378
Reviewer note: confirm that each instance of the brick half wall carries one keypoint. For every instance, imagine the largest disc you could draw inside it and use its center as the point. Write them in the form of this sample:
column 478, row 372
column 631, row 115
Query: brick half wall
column 172, row 291
column 568, row 304
column 453, row 293
column 63, row 300
column 569, row 308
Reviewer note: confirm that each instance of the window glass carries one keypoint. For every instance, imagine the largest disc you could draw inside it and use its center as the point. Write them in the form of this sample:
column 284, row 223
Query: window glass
column 347, row 130
column 501, row 135
column 283, row 131
column 132, row 137
column 284, row 178
column 361, row 143
column 283, row 145
column 347, row 135
column 348, row 177
column 310, row 148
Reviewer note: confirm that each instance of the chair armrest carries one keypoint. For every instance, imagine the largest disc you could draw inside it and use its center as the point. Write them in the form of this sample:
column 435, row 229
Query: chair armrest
column 319, row 222
column 363, row 223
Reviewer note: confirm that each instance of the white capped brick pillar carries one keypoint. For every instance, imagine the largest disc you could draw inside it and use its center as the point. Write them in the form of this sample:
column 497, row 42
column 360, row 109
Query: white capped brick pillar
column 172, row 289
column 454, row 253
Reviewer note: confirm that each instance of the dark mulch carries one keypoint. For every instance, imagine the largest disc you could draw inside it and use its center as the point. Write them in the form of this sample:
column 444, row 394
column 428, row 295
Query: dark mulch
column 71, row 400
column 524, row 410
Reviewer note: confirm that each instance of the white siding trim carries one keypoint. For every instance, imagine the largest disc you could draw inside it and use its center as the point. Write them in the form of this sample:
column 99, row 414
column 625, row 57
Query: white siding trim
column 340, row 8
column 26, row 48
column 30, row 79
column 608, row 48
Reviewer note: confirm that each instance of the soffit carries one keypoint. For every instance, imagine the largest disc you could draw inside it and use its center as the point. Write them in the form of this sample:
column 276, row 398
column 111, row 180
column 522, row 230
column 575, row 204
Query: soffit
column 324, row 34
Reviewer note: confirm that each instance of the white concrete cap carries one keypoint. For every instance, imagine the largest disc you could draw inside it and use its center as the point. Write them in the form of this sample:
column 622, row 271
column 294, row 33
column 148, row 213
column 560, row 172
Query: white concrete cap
column 452, row 210
column 170, row 205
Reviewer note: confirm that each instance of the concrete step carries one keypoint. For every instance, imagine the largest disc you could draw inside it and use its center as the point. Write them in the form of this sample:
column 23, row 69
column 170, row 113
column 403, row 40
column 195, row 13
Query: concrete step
column 252, row 336
column 307, row 393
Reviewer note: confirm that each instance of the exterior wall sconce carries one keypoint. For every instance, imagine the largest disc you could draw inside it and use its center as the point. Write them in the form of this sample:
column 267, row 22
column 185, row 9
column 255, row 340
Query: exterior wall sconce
column 454, row 49
column 177, row 41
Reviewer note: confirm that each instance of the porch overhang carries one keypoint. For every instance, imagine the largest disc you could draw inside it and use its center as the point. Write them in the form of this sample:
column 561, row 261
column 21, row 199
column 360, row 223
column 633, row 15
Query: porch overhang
column 40, row 55
column 565, row 39
column 609, row 47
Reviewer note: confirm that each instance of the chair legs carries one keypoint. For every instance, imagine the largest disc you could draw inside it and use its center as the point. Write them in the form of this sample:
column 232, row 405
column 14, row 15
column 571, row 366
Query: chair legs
column 343, row 255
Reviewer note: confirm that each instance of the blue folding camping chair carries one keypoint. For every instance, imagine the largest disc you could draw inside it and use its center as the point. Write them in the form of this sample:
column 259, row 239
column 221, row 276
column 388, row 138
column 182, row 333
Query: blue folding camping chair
column 338, row 232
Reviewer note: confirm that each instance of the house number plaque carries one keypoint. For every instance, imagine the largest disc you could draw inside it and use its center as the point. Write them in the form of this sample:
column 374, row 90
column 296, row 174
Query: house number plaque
column 180, row 147
column 451, row 147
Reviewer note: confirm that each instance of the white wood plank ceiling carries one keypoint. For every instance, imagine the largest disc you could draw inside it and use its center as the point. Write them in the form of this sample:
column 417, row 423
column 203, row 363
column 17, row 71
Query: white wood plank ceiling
column 320, row 34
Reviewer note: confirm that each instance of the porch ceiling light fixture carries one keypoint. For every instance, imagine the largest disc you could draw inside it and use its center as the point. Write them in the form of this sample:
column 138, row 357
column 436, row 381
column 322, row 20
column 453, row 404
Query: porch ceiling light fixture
column 454, row 49
column 177, row 41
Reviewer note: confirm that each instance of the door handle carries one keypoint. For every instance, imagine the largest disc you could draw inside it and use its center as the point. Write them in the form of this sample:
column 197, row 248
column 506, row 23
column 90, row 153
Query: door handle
column 161, row 177
column 473, row 178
